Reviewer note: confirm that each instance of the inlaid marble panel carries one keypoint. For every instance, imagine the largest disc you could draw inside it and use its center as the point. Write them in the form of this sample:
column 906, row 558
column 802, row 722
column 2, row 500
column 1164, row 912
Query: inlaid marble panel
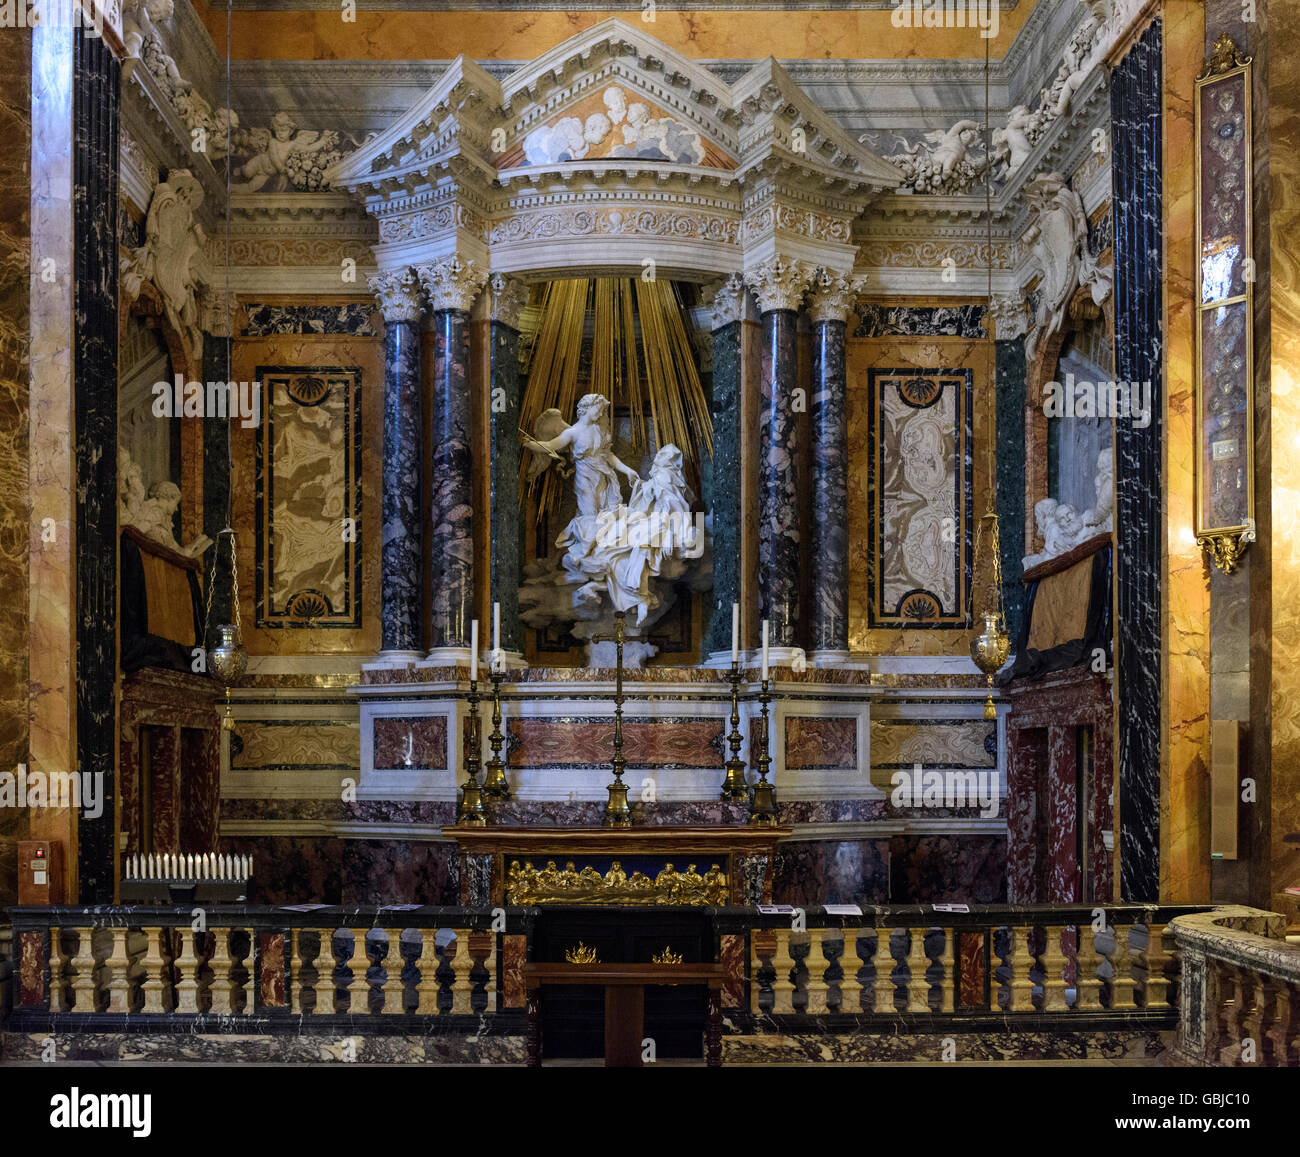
column 279, row 745
column 261, row 319
column 820, row 742
column 664, row 743
column 418, row 741
column 309, row 497
column 944, row 743
column 916, row 320
column 919, row 445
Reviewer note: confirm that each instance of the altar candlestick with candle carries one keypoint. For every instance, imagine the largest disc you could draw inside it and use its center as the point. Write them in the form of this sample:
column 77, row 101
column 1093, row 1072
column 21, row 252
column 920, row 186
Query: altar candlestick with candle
column 735, row 632
column 473, row 651
column 765, row 650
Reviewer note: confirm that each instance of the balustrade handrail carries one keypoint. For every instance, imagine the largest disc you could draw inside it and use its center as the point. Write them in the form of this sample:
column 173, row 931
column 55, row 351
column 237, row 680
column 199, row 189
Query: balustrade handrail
column 1249, row 937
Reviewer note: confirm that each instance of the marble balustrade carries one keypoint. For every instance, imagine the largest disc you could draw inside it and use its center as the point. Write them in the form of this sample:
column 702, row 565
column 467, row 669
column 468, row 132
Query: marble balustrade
column 1241, row 990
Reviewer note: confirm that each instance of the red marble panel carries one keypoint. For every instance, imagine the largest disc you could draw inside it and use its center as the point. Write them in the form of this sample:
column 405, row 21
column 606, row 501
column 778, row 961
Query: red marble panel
column 660, row 743
column 970, row 957
column 513, row 949
column 820, row 742
column 1062, row 883
column 732, row 957
column 31, row 969
column 424, row 736
column 271, row 950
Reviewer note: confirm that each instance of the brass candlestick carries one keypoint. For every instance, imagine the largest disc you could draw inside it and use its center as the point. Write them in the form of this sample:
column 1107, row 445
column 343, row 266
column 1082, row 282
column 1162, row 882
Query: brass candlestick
column 495, row 785
column 762, row 805
column 471, row 813
column 617, row 814
column 734, row 788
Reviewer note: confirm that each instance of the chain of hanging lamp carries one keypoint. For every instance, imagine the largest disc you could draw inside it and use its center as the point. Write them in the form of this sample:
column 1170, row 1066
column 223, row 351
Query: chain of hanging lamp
column 990, row 648
column 228, row 660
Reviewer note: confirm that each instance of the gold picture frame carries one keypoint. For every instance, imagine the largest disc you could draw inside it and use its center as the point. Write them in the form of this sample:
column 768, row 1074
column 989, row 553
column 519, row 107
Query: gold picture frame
column 1225, row 274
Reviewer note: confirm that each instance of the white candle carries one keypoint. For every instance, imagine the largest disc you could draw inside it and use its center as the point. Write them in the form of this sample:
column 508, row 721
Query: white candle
column 764, row 648
column 735, row 632
column 473, row 651
column 496, row 626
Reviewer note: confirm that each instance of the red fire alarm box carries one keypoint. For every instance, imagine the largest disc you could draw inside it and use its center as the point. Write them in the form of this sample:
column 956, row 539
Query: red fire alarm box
column 40, row 872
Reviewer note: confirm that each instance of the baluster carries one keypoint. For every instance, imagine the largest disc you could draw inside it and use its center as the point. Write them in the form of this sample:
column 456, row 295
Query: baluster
column 1122, row 982
column 187, row 973
column 222, row 986
column 817, row 964
column 783, row 962
column 326, row 981
column 884, row 994
column 1020, row 961
column 84, row 991
column 1054, row 998
column 427, row 989
column 1155, row 992
column 59, row 1000
column 486, row 951
column 1282, row 1018
column 850, row 985
column 393, row 988
column 762, row 948
column 1089, row 984
column 296, row 1003
column 462, row 988
column 157, row 973
column 951, row 971
column 918, row 987
column 358, row 992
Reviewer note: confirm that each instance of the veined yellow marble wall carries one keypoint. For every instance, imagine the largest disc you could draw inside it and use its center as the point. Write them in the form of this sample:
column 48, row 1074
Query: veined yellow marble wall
column 802, row 32
column 367, row 353
column 924, row 353
column 1283, row 431
column 1185, row 791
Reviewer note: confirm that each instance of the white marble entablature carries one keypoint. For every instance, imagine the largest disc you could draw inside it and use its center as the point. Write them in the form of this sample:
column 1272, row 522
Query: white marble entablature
column 451, row 176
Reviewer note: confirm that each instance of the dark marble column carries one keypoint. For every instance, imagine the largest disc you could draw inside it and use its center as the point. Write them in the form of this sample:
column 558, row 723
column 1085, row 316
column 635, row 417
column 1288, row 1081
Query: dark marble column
column 779, row 287
column 96, row 105
column 508, row 297
column 832, row 305
column 1139, row 349
column 452, row 286
column 728, row 308
column 216, row 480
column 1011, row 369
column 399, row 297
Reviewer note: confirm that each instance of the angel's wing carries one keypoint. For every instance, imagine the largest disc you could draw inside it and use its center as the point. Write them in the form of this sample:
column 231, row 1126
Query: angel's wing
column 550, row 424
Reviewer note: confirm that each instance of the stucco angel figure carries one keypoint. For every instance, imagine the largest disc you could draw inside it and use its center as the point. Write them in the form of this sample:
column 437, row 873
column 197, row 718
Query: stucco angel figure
column 1060, row 528
column 1013, row 143
column 273, row 149
column 940, row 161
column 140, row 20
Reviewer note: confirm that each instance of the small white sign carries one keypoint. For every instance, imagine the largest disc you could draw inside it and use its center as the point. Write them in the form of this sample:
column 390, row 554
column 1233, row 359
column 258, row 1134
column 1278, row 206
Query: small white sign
column 842, row 910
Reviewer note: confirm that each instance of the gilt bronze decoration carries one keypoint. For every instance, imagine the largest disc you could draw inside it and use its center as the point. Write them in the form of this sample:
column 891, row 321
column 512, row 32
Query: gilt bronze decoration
column 667, row 956
column 1224, row 328
column 762, row 804
column 495, row 785
column 471, row 812
column 526, row 885
column 734, row 788
column 581, row 954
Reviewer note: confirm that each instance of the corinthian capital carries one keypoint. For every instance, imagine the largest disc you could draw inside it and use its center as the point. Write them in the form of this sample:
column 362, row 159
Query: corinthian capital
column 779, row 284
column 833, row 296
column 727, row 300
column 508, row 296
column 398, row 292
column 451, row 282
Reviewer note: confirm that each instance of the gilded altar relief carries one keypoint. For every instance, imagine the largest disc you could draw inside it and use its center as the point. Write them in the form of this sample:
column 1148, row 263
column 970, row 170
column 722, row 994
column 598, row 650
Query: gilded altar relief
column 919, row 497
column 309, row 497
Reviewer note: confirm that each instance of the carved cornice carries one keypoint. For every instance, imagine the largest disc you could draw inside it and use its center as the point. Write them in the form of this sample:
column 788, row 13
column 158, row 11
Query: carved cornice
column 399, row 294
column 833, row 296
column 452, row 282
column 507, row 297
column 779, row 284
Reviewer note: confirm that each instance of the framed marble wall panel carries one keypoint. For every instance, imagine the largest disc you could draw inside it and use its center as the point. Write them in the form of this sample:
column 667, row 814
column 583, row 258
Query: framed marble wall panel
column 919, row 440
column 1225, row 489
column 309, row 525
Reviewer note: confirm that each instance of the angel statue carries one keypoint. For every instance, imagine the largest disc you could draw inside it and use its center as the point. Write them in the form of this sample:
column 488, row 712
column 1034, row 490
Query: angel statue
column 613, row 551
column 284, row 155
